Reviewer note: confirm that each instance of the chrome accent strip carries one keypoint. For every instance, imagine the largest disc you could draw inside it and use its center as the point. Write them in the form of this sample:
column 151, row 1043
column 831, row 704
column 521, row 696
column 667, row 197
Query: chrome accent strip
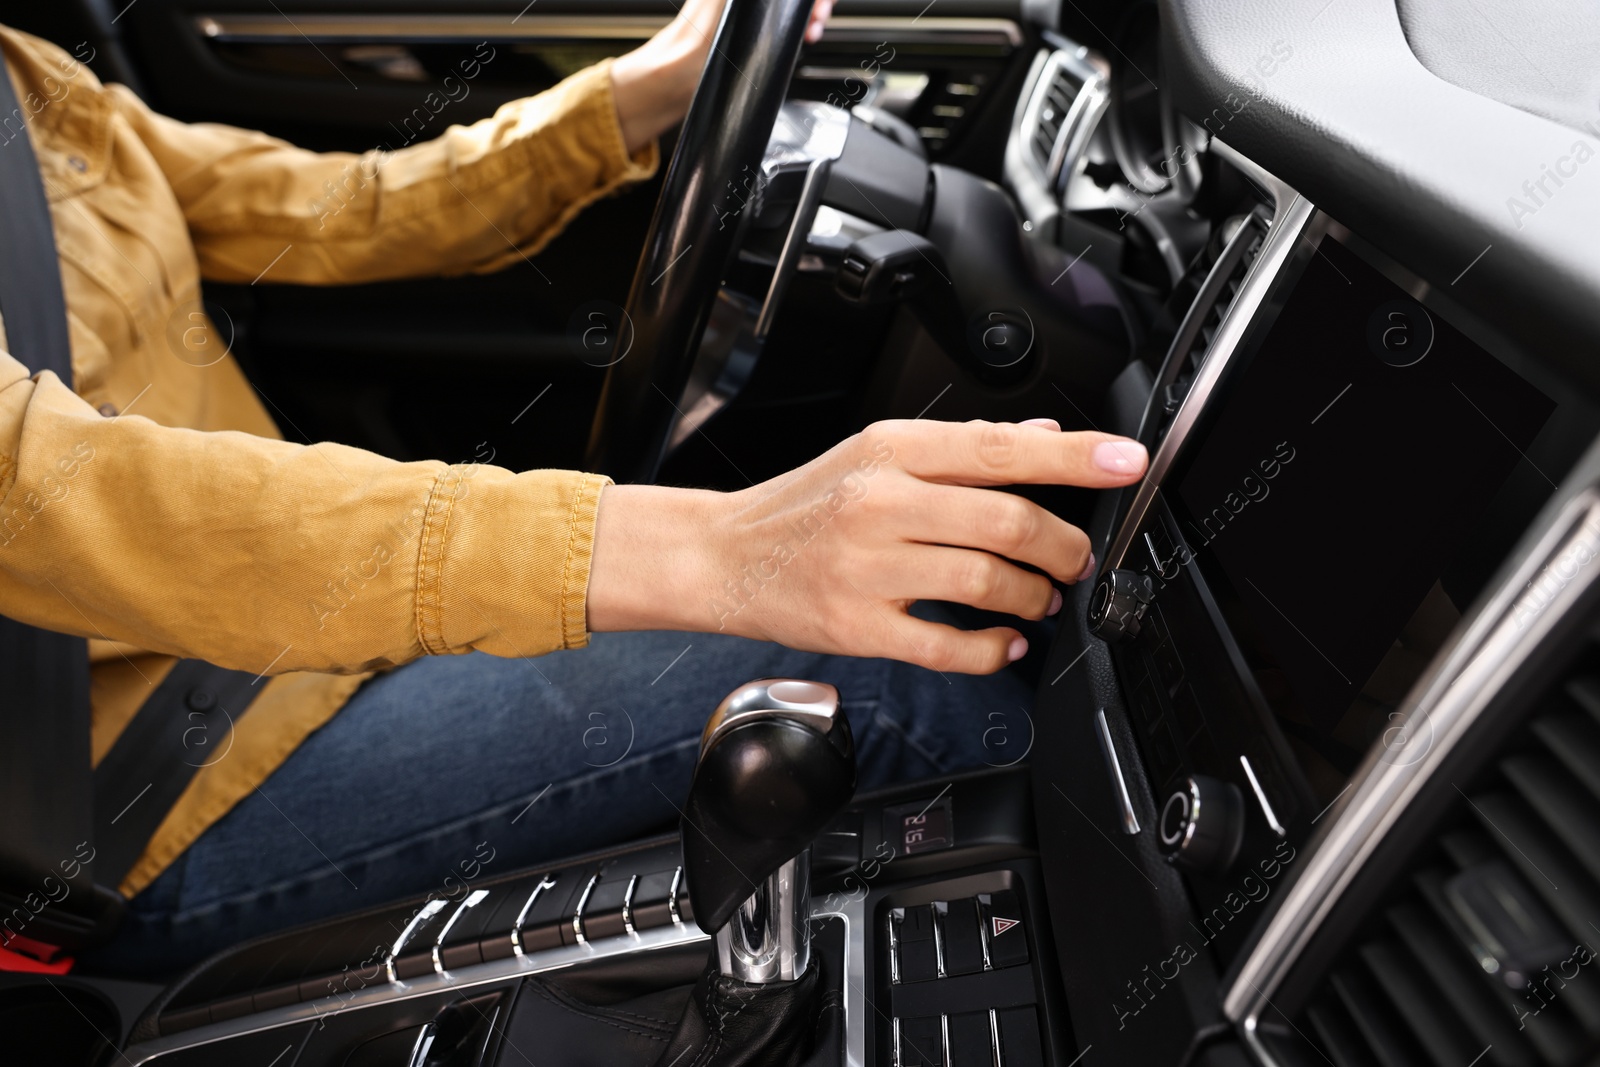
column 854, row 916
column 577, row 913
column 994, row 1037
column 1130, row 821
column 915, row 29
column 805, row 213
column 326, row 28
column 672, row 900
column 627, row 905
column 473, row 899
column 895, row 916
column 424, row 913
column 1261, row 798
column 424, row 1043
column 938, row 937
column 1446, row 703
column 481, row 974
column 897, row 1060
column 365, row 28
column 984, row 901
column 944, row 1037
column 522, row 916
column 1290, row 217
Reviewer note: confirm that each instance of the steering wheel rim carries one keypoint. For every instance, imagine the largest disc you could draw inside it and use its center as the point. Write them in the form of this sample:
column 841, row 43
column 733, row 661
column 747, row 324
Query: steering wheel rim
column 688, row 249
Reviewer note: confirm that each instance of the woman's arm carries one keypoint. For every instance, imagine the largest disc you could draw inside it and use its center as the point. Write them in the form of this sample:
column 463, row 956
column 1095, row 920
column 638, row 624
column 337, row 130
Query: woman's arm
column 436, row 197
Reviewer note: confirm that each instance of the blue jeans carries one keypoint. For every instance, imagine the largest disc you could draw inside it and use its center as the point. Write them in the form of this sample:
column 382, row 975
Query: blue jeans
column 434, row 766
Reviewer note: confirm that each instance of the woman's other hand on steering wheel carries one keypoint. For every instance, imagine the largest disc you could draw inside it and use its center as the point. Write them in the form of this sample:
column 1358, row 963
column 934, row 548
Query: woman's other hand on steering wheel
column 654, row 83
column 830, row 557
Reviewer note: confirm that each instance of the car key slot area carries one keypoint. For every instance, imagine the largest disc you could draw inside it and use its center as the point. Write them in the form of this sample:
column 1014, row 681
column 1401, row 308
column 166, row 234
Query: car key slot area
column 956, row 968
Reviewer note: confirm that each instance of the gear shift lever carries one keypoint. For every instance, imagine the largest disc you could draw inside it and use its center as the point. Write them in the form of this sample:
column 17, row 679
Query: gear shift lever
column 777, row 764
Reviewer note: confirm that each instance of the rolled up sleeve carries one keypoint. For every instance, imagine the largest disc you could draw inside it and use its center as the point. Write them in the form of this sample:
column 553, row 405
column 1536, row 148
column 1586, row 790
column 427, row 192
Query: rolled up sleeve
column 474, row 199
column 265, row 555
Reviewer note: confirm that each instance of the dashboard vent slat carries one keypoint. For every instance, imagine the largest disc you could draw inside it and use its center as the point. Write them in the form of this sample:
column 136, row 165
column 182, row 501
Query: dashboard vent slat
column 1481, row 952
column 1439, row 1032
column 1386, row 1036
column 1453, row 971
column 1562, row 801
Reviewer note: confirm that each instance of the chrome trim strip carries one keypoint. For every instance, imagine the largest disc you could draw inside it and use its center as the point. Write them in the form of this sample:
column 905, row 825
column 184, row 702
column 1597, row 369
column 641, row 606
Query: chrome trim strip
column 395, row 27
column 424, row 913
column 473, row 899
column 627, row 904
column 994, row 1037
column 577, row 913
column 852, row 914
column 1446, row 703
column 944, row 1037
column 938, row 940
column 672, row 900
column 522, row 916
column 427, row 985
column 895, row 917
column 1130, row 821
column 896, row 1024
column 805, row 213
column 1261, row 798
column 1290, row 216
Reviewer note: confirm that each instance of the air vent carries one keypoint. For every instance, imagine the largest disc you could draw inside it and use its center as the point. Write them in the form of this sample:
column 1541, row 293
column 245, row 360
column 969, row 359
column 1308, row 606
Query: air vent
column 1488, row 950
column 1055, row 105
column 1205, row 316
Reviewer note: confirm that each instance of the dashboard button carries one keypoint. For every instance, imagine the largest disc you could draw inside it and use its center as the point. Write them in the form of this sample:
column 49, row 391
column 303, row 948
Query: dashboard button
column 919, row 955
column 921, row 1042
column 1019, row 1038
column 1003, row 927
column 963, row 938
column 971, row 1043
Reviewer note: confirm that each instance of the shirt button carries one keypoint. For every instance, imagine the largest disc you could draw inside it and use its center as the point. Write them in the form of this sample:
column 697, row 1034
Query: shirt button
column 109, row 410
column 78, row 163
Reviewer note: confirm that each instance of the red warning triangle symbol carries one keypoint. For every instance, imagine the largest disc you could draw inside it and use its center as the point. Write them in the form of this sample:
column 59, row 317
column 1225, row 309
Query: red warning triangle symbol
column 1002, row 925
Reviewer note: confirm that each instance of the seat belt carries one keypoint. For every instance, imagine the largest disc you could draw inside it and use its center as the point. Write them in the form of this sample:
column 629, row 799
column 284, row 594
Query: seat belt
column 69, row 835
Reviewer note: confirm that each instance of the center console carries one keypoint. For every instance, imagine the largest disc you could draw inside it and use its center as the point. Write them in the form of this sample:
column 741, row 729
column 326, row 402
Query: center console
column 923, row 937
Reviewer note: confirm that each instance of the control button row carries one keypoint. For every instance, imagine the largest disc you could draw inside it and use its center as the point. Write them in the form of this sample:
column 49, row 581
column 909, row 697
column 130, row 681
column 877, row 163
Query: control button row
column 945, row 938
column 998, row 1037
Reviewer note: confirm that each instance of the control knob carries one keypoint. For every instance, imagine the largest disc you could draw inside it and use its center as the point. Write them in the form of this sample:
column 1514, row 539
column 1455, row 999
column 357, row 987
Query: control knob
column 1120, row 600
column 1202, row 824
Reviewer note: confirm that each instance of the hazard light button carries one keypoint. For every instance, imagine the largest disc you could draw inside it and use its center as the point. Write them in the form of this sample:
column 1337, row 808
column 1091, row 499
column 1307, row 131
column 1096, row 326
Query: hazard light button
column 1003, row 930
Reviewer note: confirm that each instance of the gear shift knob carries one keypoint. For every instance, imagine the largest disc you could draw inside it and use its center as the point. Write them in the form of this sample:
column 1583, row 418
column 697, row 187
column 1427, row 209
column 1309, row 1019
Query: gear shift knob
column 777, row 764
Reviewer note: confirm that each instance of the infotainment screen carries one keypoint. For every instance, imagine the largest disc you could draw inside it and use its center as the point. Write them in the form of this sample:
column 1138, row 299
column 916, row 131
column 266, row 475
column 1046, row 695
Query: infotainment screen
column 1360, row 477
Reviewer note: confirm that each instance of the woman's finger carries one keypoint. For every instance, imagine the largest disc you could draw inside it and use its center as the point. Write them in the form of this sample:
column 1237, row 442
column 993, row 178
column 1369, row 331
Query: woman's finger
column 1002, row 453
column 943, row 648
column 1003, row 523
column 977, row 579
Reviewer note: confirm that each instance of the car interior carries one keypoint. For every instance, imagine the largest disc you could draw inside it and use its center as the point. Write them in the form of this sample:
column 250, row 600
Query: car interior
column 1312, row 770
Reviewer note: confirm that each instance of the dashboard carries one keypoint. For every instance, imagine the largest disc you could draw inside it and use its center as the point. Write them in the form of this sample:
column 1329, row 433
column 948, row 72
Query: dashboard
column 1353, row 451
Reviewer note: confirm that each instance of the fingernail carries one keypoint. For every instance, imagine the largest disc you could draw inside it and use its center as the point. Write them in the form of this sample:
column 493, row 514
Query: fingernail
column 1119, row 457
column 1018, row 649
column 1055, row 603
column 1048, row 424
column 1088, row 571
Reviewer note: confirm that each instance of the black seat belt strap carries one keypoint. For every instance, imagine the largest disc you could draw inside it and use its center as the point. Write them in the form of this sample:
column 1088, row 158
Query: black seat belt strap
column 44, row 728
column 57, row 813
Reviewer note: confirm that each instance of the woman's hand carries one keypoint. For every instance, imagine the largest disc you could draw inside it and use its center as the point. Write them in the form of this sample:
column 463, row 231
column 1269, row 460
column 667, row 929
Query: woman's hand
column 829, row 557
column 654, row 83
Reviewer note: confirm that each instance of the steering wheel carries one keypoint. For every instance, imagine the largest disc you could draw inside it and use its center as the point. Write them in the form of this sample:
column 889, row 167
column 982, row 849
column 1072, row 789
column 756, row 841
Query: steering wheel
column 688, row 249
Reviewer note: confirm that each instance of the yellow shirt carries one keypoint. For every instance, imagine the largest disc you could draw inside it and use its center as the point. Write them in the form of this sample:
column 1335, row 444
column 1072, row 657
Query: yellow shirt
column 153, row 508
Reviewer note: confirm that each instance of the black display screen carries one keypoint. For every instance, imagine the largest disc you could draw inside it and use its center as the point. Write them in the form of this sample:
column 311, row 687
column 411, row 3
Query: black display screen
column 1346, row 477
